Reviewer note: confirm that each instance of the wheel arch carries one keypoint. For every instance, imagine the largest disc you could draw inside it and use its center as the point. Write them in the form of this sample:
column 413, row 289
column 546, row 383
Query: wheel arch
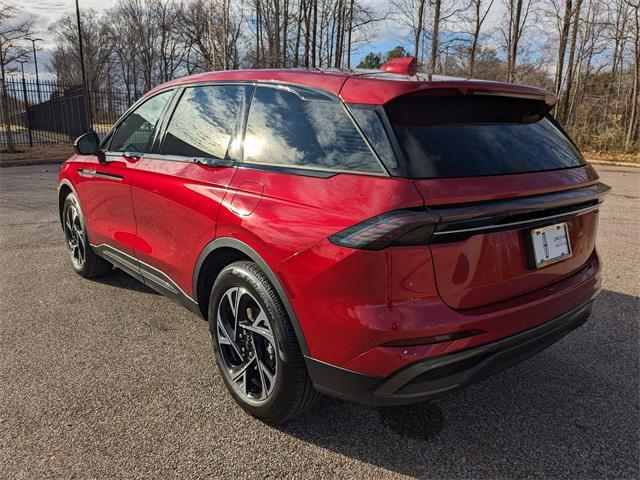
column 225, row 250
column 64, row 189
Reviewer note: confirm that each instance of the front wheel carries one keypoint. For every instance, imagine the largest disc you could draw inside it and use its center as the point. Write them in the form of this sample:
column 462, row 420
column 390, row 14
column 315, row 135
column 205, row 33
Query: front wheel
column 84, row 261
column 255, row 346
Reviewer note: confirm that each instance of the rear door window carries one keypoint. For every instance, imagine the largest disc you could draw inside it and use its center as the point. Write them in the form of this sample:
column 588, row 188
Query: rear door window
column 468, row 136
column 305, row 130
column 204, row 121
column 135, row 133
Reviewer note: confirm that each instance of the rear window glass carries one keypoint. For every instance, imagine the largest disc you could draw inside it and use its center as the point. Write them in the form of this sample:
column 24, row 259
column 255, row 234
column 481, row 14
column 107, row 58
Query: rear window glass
column 467, row 136
column 298, row 131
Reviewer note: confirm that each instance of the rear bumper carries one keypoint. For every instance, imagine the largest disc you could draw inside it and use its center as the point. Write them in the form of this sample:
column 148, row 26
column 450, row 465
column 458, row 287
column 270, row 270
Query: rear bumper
column 435, row 376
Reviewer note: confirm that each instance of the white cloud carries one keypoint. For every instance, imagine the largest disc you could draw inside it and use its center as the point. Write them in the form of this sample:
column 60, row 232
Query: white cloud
column 44, row 13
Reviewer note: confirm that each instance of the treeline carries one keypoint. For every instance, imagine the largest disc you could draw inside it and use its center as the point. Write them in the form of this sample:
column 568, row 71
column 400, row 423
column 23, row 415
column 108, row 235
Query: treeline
column 141, row 43
column 587, row 51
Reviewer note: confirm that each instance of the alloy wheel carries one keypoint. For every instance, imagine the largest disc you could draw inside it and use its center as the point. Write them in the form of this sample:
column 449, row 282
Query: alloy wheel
column 75, row 236
column 247, row 345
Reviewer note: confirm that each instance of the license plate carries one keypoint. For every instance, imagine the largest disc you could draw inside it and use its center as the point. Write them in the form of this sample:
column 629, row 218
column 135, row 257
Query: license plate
column 550, row 244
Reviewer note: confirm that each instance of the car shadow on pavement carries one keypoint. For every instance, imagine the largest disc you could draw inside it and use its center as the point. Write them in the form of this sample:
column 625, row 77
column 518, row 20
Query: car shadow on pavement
column 572, row 410
column 120, row 279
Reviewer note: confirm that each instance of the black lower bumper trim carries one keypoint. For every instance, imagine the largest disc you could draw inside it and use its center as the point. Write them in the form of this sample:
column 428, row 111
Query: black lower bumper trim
column 438, row 375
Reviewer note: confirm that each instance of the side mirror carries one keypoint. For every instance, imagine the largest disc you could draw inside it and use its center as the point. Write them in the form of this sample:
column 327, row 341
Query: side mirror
column 87, row 144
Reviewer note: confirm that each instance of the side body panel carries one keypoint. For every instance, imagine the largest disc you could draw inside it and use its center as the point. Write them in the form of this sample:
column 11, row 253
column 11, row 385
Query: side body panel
column 176, row 206
column 104, row 191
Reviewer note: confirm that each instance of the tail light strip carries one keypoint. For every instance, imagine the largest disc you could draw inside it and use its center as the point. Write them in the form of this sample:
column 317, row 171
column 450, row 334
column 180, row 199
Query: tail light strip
column 448, row 224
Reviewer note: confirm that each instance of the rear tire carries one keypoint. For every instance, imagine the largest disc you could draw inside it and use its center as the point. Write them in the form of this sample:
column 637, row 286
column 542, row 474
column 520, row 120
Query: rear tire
column 83, row 259
column 268, row 380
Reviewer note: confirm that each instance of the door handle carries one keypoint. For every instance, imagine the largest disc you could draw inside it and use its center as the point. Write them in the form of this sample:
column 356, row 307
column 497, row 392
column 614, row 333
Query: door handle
column 212, row 162
column 132, row 156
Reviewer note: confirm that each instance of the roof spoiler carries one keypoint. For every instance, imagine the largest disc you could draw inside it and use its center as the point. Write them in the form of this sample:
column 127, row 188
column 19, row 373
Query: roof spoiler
column 547, row 97
column 401, row 65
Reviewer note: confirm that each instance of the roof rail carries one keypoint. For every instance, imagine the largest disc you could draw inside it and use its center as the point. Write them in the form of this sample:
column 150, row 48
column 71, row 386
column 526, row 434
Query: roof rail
column 401, row 65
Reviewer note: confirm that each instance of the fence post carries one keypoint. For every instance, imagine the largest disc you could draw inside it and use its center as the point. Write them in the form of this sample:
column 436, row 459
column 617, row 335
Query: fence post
column 26, row 109
column 8, row 134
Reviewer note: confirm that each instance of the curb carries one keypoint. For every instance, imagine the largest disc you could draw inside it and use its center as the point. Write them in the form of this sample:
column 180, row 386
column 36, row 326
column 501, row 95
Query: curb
column 24, row 163
column 614, row 164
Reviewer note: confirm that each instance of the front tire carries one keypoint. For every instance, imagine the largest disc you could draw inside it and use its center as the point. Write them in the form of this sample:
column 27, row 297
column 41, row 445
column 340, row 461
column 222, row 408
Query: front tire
column 255, row 346
column 83, row 260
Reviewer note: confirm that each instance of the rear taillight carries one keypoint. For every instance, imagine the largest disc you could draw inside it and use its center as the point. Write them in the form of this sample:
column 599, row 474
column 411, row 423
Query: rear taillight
column 397, row 228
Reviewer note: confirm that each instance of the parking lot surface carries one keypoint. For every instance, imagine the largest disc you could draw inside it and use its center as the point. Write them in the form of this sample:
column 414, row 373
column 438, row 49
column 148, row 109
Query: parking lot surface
column 105, row 378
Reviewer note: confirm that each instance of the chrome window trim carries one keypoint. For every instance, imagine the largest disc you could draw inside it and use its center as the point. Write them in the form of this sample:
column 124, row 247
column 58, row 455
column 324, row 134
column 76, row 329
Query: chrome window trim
column 212, row 161
column 297, row 90
column 312, row 169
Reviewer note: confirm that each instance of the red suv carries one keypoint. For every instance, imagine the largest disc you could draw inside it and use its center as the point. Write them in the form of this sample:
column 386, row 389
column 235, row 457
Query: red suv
column 380, row 237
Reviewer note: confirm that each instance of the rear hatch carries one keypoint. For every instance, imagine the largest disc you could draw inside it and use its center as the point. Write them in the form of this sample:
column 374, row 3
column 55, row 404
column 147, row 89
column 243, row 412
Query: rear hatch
column 516, row 203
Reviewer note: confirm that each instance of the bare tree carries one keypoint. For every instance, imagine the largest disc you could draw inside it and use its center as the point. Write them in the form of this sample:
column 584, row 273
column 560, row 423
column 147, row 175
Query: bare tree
column 632, row 129
column 170, row 46
column 480, row 9
column 562, row 43
column 12, row 31
column 96, row 49
column 411, row 14
column 518, row 12
column 564, row 99
column 618, row 26
column 123, row 44
column 415, row 14
column 435, row 34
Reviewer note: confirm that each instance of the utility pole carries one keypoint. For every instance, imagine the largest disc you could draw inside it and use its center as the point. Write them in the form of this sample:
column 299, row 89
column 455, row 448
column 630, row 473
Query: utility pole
column 26, row 103
column 22, row 62
column 84, row 76
column 35, row 62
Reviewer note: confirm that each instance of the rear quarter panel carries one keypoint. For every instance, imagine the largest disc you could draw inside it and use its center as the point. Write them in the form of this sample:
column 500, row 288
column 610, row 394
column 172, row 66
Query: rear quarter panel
column 296, row 211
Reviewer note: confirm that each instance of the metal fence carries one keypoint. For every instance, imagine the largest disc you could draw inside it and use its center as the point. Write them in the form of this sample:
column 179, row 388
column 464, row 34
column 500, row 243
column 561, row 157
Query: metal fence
column 49, row 112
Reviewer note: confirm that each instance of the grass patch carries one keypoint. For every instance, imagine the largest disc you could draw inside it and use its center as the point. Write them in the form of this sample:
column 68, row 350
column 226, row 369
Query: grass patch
column 627, row 157
column 38, row 153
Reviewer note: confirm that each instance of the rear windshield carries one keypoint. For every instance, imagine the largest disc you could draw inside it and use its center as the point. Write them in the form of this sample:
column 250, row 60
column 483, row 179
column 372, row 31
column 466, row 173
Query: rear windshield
column 467, row 136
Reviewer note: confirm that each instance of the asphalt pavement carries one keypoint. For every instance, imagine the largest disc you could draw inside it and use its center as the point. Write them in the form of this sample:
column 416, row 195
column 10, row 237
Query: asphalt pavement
column 106, row 379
